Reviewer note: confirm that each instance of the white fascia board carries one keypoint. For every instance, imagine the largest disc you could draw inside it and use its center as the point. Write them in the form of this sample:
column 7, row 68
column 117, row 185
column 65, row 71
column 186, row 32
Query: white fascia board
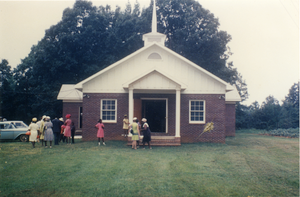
column 79, row 85
column 182, row 85
column 72, row 101
column 229, row 87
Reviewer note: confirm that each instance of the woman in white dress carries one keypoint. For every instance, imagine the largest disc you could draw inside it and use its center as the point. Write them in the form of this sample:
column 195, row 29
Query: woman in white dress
column 33, row 128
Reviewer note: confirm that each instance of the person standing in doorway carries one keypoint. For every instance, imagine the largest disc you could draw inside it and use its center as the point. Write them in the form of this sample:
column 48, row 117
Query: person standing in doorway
column 146, row 133
column 100, row 132
column 125, row 125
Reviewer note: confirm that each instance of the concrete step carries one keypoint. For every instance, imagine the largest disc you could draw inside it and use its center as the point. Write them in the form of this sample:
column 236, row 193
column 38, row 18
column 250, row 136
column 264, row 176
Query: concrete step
column 159, row 141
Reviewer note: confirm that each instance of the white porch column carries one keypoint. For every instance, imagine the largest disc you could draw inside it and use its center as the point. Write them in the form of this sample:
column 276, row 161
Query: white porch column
column 130, row 115
column 177, row 125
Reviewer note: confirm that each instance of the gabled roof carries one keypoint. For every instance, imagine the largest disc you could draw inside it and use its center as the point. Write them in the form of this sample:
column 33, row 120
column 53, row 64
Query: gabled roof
column 79, row 85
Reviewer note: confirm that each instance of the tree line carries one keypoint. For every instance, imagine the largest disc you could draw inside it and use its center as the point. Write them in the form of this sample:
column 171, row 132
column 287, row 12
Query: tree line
column 271, row 114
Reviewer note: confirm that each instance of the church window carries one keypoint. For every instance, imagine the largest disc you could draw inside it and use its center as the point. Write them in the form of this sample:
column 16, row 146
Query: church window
column 108, row 110
column 154, row 56
column 197, row 111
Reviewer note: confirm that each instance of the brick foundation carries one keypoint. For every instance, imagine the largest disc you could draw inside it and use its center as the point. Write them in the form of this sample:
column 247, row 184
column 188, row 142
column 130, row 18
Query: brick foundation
column 91, row 115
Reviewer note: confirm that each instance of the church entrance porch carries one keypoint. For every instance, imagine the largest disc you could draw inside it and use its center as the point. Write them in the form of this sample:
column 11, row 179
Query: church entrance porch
column 160, row 112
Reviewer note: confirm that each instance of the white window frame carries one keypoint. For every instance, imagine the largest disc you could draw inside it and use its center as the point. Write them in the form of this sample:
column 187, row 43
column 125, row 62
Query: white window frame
column 190, row 111
column 101, row 111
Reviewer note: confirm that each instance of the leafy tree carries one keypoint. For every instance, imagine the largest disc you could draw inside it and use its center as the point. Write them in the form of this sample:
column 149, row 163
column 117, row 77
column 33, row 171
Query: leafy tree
column 6, row 93
column 293, row 96
column 243, row 116
column 270, row 114
column 290, row 108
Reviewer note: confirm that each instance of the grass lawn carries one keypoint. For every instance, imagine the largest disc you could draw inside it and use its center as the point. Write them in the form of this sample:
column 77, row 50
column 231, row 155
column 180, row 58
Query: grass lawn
column 247, row 165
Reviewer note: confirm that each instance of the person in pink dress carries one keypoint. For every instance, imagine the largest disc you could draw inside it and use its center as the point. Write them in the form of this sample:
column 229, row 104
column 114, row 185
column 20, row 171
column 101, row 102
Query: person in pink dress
column 100, row 132
column 67, row 133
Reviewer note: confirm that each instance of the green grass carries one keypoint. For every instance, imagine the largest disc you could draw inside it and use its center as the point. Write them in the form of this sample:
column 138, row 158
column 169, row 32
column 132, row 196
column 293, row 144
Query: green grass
column 247, row 165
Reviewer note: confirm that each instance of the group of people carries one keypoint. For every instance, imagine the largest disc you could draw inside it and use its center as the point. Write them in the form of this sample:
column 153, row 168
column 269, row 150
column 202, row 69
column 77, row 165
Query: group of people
column 45, row 129
column 135, row 129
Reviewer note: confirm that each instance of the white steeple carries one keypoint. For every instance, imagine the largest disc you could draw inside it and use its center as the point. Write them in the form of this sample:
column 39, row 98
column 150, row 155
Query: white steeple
column 154, row 36
column 154, row 18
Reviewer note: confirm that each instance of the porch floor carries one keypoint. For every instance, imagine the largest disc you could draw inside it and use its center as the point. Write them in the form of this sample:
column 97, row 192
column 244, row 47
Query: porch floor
column 159, row 141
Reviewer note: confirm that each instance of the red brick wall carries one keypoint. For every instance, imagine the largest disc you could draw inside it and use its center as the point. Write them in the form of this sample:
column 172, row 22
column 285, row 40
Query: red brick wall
column 214, row 111
column 230, row 120
column 73, row 109
column 91, row 115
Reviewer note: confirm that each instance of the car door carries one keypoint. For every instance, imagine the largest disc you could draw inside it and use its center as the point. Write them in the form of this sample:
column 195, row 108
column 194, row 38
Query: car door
column 7, row 131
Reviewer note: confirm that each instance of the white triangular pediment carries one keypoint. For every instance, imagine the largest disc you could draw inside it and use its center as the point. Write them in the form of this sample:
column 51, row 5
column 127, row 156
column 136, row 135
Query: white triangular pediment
column 154, row 80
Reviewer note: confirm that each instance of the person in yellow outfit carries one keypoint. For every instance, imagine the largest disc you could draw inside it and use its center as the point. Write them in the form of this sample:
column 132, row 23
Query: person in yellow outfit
column 125, row 125
column 135, row 134
column 42, row 129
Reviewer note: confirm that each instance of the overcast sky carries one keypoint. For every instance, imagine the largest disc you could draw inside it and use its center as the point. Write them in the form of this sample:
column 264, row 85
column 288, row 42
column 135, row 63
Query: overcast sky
column 265, row 36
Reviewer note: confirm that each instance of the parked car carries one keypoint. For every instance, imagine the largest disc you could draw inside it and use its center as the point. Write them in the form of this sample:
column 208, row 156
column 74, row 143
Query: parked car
column 11, row 130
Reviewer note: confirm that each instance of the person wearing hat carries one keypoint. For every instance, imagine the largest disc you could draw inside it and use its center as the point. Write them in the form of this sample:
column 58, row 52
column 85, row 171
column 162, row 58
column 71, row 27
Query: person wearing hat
column 48, row 132
column 68, row 123
column 135, row 134
column 33, row 128
column 42, row 127
column 146, row 133
column 62, row 130
column 125, row 125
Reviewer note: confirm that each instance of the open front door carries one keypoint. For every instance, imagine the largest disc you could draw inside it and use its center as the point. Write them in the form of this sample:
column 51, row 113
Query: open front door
column 155, row 111
column 137, row 112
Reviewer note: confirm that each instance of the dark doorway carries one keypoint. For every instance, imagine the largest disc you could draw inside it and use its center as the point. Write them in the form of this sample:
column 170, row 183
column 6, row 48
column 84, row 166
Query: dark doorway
column 155, row 113
column 80, row 118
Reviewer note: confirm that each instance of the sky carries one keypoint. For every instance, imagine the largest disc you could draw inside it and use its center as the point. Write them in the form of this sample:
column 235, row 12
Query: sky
column 265, row 37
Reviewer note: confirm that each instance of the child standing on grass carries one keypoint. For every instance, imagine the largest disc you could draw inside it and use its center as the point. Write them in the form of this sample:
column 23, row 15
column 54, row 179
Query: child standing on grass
column 100, row 132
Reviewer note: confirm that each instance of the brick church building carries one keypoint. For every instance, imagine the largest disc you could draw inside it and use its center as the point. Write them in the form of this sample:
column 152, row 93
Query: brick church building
column 176, row 96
